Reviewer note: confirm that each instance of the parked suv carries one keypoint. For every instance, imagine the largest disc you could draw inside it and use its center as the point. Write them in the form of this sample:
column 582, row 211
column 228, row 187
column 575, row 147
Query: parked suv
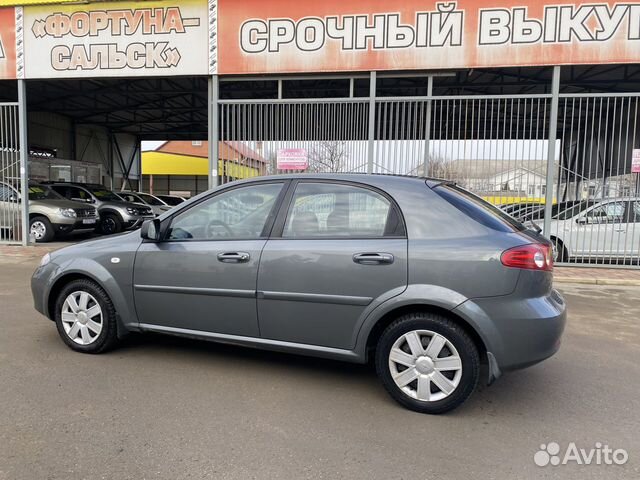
column 49, row 213
column 419, row 276
column 116, row 215
column 157, row 206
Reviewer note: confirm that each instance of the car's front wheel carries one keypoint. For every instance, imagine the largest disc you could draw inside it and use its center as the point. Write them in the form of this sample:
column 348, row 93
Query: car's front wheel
column 427, row 362
column 110, row 224
column 41, row 230
column 85, row 317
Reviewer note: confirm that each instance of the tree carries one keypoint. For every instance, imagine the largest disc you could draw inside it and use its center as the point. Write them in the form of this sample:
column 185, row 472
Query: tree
column 328, row 156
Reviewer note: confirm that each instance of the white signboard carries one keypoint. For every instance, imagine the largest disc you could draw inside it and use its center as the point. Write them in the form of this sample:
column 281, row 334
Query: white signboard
column 292, row 159
column 117, row 39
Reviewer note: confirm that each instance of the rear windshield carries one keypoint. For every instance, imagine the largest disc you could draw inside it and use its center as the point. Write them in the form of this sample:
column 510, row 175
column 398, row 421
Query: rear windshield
column 478, row 209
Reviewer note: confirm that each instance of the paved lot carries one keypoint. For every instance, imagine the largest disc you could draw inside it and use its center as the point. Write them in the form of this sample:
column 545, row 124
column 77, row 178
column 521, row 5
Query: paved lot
column 169, row 408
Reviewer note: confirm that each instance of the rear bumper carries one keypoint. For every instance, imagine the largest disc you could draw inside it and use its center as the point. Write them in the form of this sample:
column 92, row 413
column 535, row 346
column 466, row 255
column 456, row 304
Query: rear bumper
column 518, row 332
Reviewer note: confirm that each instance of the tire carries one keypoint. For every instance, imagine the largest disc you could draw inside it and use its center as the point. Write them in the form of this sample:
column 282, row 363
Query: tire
column 110, row 224
column 42, row 229
column 423, row 393
column 560, row 253
column 98, row 340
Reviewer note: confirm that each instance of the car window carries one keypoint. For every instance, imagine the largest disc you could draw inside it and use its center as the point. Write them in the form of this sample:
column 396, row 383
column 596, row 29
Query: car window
column 150, row 199
column 104, row 194
column 478, row 209
column 129, row 197
column 240, row 213
column 634, row 209
column 6, row 193
column 334, row 210
column 608, row 213
column 40, row 192
column 572, row 211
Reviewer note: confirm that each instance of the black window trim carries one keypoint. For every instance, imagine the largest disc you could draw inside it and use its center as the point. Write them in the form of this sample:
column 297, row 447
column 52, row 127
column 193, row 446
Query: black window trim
column 264, row 235
column 278, row 227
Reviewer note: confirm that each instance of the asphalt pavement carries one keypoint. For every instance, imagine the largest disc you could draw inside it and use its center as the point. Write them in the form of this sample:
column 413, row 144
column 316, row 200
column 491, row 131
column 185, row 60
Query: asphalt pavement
column 168, row 408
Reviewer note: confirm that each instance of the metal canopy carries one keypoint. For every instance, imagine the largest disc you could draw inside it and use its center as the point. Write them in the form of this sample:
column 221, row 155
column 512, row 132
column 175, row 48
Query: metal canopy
column 168, row 108
column 151, row 109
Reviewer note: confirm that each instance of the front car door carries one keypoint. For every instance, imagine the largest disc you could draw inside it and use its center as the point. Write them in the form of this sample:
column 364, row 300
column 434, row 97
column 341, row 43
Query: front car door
column 599, row 230
column 202, row 276
column 336, row 248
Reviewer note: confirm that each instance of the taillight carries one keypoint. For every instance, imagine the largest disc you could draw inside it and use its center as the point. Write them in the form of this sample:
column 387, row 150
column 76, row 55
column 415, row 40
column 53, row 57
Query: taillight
column 533, row 256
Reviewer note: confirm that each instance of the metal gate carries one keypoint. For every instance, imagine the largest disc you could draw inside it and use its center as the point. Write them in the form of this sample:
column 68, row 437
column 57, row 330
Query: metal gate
column 505, row 149
column 10, row 193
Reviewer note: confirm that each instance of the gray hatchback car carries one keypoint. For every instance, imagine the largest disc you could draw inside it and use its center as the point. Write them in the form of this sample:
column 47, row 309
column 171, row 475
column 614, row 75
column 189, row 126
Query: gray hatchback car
column 419, row 276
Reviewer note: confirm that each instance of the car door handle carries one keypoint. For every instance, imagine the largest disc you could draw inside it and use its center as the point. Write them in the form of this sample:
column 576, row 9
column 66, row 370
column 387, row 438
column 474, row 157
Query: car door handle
column 373, row 258
column 621, row 230
column 234, row 257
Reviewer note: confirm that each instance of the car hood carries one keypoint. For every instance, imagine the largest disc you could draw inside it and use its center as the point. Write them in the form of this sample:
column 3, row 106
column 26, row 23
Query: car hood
column 91, row 247
column 121, row 205
column 59, row 204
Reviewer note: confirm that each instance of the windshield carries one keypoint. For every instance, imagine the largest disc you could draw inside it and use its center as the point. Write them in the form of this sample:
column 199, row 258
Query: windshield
column 40, row 192
column 150, row 199
column 104, row 194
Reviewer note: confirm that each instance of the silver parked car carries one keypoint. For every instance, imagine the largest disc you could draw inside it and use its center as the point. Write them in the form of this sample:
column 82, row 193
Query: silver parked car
column 116, row 215
column 154, row 203
column 49, row 213
column 417, row 275
column 597, row 229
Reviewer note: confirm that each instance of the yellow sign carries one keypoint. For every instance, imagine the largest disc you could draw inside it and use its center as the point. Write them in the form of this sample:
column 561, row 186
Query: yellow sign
column 158, row 163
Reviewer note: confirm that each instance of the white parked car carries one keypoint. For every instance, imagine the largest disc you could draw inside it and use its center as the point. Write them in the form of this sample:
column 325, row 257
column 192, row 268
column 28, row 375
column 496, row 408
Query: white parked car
column 608, row 229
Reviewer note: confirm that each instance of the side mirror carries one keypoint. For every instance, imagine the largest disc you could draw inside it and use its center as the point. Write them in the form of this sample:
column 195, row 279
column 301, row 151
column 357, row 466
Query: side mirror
column 14, row 199
column 150, row 230
column 584, row 220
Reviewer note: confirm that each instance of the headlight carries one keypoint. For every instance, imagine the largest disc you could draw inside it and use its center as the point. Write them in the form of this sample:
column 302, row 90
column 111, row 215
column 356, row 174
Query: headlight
column 132, row 211
column 45, row 260
column 68, row 212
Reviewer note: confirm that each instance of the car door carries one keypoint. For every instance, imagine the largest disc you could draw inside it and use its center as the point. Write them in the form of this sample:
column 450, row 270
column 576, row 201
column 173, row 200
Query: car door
column 336, row 248
column 202, row 275
column 630, row 240
column 599, row 231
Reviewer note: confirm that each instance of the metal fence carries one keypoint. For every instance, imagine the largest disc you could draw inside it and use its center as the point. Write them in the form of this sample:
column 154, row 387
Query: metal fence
column 499, row 147
column 10, row 196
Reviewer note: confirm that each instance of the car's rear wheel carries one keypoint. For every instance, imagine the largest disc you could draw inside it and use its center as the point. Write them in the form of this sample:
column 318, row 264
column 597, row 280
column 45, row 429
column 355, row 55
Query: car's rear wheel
column 427, row 362
column 110, row 224
column 560, row 253
column 85, row 317
column 41, row 229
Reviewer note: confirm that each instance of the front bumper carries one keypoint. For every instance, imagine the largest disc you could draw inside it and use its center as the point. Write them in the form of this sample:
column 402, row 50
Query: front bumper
column 76, row 225
column 518, row 332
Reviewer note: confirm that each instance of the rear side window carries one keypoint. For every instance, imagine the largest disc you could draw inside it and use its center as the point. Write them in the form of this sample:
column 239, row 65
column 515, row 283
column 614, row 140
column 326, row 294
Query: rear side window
column 335, row 210
column 478, row 209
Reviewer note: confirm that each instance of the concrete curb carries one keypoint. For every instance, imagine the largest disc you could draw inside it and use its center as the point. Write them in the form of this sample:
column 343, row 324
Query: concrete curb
column 598, row 281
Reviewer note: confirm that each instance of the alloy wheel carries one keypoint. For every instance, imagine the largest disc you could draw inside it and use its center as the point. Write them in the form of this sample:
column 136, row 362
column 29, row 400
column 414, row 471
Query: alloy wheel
column 38, row 230
column 425, row 365
column 82, row 317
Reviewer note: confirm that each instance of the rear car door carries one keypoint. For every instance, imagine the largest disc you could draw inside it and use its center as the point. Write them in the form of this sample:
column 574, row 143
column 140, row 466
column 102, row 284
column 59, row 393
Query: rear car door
column 202, row 276
column 336, row 248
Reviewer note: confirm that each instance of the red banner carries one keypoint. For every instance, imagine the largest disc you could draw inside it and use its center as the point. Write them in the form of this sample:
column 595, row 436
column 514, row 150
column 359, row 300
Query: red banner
column 280, row 36
column 7, row 43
